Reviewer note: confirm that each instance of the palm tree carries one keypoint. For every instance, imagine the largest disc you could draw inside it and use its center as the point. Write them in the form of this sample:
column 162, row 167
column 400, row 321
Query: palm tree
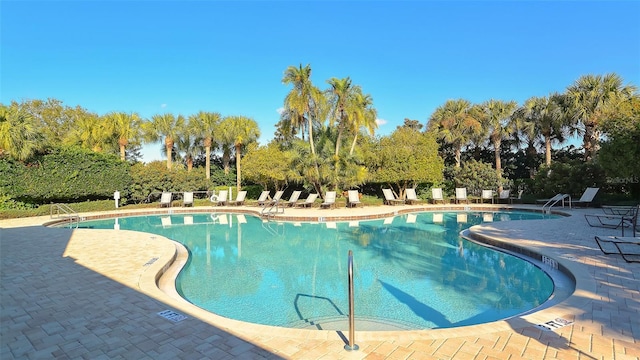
column 242, row 130
column 364, row 117
column 204, row 125
column 591, row 97
column 303, row 100
column 90, row 132
column 455, row 124
column 187, row 146
column 20, row 135
column 126, row 127
column 167, row 126
column 340, row 98
column 547, row 119
column 497, row 120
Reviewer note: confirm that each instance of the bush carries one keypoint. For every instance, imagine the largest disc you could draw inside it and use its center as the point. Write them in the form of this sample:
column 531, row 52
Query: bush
column 154, row 178
column 473, row 175
column 64, row 175
column 571, row 177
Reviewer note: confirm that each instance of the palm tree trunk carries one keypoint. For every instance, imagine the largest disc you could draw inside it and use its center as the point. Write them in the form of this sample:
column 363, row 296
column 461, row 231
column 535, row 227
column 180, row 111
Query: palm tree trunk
column 353, row 144
column 169, row 144
column 496, row 147
column 207, row 146
column 547, row 145
column 238, row 176
column 458, row 155
column 122, row 153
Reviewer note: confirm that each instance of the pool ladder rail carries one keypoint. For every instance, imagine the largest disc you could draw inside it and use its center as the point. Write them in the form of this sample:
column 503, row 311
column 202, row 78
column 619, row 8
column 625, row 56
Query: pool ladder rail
column 269, row 210
column 560, row 198
column 63, row 211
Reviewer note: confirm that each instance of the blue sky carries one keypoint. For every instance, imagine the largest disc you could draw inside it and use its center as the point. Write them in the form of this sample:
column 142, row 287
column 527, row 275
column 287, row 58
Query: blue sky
column 181, row 57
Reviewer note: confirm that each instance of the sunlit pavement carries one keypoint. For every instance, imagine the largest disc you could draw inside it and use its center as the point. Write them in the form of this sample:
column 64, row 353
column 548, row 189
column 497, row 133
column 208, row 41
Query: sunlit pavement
column 92, row 294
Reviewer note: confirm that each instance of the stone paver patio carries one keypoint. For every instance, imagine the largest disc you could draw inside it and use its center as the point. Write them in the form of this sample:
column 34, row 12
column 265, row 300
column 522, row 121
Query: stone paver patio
column 95, row 294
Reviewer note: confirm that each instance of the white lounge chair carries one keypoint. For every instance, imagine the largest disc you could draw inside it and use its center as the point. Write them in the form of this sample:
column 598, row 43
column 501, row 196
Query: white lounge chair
column 276, row 197
column 461, row 195
column 165, row 199
column 390, row 199
column 309, row 201
column 187, row 198
column 222, row 198
column 329, row 200
column 264, row 197
column 504, row 196
column 436, row 195
column 486, row 195
column 412, row 197
column 239, row 198
column 293, row 199
column 587, row 197
column 353, row 199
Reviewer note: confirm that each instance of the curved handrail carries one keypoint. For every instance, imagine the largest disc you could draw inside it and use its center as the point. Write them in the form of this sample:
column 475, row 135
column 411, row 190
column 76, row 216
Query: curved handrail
column 64, row 211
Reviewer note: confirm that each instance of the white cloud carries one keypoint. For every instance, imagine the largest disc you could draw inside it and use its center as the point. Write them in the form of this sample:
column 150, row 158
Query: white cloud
column 163, row 106
column 381, row 122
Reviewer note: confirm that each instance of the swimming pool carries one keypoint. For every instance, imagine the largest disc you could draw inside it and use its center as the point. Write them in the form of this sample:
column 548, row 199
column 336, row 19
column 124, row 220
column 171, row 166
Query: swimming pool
column 411, row 272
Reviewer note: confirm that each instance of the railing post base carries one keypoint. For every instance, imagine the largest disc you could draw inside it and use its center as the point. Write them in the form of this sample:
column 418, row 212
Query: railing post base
column 351, row 348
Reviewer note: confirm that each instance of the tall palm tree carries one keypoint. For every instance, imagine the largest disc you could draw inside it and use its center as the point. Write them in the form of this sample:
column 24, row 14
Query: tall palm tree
column 126, row 127
column 20, row 135
column 204, row 125
column 188, row 146
column 455, row 124
column 242, row 130
column 166, row 126
column 497, row 119
column 547, row 119
column 365, row 116
column 303, row 100
column 340, row 98
column 591, row 98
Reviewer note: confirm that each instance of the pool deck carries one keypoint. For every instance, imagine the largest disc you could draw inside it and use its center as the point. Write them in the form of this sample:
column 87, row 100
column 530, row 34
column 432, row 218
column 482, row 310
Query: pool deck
column 94, row 294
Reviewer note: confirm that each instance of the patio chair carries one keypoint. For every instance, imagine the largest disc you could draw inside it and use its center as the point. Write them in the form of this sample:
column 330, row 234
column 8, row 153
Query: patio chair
column 263, row 198
column 618, row 209
column 461, row 195
column 436, row 195
column 412, row 197
column 390, row 199
column 516, row 198
column 187, row 198
column 587, row 197
column 615, row 221
column 309, row 201
column 239, row 199
column 622, row 246
column 486, row 195
column 354, row 198
column 504, row 195
column 293, row 199
column 276, row 197
column 165, row 199
column 222, row 198
column 329, row 200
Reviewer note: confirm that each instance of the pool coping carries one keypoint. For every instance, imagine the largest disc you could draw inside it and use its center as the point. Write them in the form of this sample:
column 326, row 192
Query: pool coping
column 158, row 280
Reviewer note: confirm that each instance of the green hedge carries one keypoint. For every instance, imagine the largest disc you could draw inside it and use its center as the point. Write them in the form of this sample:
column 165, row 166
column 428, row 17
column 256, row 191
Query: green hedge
column 64, row 175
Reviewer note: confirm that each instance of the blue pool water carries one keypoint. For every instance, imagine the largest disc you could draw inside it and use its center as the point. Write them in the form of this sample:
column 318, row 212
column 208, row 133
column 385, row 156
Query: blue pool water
column 412, row 271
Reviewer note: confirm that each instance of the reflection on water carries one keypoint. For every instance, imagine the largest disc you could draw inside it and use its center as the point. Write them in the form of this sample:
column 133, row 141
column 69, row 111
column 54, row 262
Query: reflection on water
column 412, row 269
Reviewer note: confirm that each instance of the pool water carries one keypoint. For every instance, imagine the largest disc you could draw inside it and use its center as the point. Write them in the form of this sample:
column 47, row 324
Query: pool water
column 410, row 272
